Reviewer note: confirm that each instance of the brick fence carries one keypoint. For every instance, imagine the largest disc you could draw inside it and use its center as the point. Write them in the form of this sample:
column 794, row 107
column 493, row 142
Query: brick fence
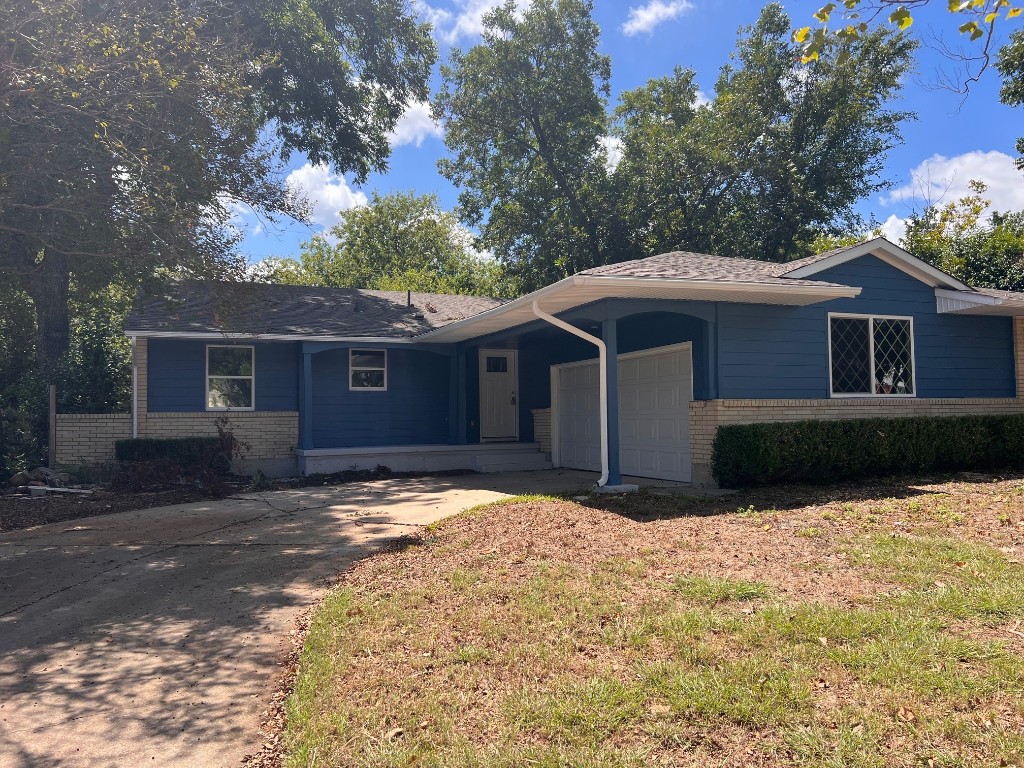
column 706, row 416
column 87, row 439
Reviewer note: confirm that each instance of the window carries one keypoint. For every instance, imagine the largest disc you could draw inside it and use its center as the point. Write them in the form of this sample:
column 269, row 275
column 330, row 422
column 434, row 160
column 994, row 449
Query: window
column 497, row 364
column 368, row 369
column 871, row 356
column 229, row 378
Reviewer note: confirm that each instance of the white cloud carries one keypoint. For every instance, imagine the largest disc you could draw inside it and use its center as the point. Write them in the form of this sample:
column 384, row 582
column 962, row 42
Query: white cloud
column 647, row 17
column 613, row 149
column 465, row 22
column 415, row 126
column 941, row 179
column 326, row 192
column 702, row 99
column 894, row 228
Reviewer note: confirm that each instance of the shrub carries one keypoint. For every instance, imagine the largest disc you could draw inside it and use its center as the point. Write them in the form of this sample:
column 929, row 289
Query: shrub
column 824, row 451
column 187, row 452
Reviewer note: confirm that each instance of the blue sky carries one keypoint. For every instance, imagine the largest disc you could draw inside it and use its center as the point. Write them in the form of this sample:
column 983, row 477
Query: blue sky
column 952, row 141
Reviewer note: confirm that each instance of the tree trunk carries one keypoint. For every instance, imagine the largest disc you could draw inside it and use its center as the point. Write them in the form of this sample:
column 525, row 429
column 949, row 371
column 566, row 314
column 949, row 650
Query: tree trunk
column 48, row 285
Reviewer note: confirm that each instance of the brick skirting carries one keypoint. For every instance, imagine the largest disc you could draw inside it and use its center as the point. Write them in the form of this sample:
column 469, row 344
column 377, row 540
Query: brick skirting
column 270, row 437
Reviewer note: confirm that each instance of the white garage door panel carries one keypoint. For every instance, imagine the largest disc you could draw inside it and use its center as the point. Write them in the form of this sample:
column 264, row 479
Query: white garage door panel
column 654, row 414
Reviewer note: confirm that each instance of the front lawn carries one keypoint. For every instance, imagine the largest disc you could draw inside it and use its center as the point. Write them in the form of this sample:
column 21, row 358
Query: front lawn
column 866, row 625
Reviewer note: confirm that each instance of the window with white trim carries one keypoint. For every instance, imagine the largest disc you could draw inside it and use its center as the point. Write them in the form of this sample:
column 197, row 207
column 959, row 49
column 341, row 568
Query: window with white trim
column 871, row 356
column 368, row 369
column 230, row 383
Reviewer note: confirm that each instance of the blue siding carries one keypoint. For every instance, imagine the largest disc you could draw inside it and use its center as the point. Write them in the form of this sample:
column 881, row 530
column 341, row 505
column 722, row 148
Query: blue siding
column 782, row 352
column 635, row 333
column 177, row 370
column 413, row 410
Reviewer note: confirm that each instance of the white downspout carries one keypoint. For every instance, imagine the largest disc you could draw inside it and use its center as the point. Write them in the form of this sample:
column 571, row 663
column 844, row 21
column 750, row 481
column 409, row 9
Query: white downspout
column 602, row 355
column 135, row 391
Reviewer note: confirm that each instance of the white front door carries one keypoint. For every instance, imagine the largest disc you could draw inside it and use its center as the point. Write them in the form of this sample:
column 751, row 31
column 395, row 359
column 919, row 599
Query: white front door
column 499, row 399
column 655, row 389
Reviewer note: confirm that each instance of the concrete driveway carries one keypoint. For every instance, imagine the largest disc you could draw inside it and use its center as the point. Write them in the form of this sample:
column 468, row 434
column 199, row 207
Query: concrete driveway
column 154, row 637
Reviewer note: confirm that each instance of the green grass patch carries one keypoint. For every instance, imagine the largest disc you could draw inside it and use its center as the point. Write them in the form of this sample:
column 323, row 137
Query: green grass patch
column 486, row 662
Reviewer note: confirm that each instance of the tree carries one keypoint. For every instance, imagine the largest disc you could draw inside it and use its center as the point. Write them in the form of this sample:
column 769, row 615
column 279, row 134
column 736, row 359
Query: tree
column 958, row 239
column 781, row 154
column 524, row 115
column 129, row 130
column 401, row 242
column 975, row 19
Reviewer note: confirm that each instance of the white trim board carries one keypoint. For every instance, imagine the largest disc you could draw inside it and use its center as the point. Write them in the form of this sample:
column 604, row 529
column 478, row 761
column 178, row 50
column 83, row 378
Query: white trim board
column 891, row 254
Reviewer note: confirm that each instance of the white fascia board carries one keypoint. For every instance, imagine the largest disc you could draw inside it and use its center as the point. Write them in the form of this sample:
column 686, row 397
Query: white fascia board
column 134, row 334
column 976, row 303
column 590, row 288
column 891, row 254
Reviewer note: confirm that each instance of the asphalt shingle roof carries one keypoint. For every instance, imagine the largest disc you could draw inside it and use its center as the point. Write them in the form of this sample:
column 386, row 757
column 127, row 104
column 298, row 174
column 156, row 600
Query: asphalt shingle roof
column 261, row 308
column 684, row 265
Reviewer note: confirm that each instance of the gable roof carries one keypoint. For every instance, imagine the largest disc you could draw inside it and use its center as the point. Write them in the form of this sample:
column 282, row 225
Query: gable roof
column 881, row 248
column 201, row 309
column 207, row 308
column 685, row 265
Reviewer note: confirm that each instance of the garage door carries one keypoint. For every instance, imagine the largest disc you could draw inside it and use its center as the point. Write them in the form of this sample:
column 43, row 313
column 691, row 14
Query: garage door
column 655, row 389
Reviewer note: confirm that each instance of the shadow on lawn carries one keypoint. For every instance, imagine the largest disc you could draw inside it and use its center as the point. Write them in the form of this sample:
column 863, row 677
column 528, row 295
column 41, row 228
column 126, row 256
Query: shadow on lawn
column 659, row 504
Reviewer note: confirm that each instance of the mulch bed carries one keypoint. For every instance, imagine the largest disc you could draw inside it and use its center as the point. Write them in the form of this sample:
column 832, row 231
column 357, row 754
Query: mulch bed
column 19, row 511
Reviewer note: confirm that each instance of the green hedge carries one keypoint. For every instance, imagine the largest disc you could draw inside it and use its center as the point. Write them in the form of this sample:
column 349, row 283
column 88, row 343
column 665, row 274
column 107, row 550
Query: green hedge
column 822, row 451
column 186, row 452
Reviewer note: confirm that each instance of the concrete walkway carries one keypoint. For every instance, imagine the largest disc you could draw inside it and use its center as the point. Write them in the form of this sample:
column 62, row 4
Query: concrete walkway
column 154, row 637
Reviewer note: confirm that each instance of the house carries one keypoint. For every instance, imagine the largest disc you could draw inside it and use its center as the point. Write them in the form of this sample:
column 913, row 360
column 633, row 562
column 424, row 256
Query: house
column 318, row 379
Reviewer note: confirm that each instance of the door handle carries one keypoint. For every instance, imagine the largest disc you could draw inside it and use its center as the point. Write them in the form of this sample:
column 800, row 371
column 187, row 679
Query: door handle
column 513, row 399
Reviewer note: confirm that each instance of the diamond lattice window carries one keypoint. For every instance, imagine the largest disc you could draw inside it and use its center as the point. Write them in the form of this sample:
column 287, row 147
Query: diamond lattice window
column 872, row 356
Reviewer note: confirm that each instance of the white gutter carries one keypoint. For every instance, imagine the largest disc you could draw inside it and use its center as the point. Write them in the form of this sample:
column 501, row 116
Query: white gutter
column 602, row 354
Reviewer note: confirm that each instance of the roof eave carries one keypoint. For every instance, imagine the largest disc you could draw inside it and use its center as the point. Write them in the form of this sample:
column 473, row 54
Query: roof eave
column 590, row 288
column 976, row 303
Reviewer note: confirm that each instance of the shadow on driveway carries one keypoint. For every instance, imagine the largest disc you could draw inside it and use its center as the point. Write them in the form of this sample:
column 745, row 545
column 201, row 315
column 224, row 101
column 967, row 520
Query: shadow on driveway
column 153, row 637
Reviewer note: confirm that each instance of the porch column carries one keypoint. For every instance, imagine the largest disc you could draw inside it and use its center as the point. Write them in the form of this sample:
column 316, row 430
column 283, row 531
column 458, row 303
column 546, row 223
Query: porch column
column 306, row 402
column 609, row 334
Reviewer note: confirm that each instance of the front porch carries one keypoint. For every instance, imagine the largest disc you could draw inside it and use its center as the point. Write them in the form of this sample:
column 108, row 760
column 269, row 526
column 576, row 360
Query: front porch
column 486, row 457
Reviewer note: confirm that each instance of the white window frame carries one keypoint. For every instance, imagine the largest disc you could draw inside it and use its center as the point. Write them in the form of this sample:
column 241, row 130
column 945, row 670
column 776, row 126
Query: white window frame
column 871, row 354
column 352, row 369
column 252, row 378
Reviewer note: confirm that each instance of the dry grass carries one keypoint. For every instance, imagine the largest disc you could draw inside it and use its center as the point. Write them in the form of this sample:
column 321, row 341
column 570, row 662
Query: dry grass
column 866, row 625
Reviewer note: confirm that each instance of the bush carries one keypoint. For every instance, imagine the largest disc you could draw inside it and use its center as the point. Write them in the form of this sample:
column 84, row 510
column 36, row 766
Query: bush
column 189, row 453
column 823, row 451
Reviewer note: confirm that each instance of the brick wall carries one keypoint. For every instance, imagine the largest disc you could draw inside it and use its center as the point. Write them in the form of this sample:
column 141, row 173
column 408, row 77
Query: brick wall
column 269, row 434
column 707, row 415
column 542, row 428
column 88, row 438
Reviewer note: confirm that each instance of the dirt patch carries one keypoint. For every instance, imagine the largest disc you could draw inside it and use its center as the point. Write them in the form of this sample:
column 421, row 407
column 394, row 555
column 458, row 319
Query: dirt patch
column 19, row 511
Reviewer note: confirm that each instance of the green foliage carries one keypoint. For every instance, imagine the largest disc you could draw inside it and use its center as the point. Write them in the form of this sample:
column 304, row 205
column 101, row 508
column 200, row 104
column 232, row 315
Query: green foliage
column 524, row 114
column 400, row 241
column 957, row 239
column 779, row 156
column 184, row 451
column 825, row 451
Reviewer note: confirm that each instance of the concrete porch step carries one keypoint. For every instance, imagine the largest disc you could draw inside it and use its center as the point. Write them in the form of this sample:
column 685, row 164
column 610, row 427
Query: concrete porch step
column 513, row 463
